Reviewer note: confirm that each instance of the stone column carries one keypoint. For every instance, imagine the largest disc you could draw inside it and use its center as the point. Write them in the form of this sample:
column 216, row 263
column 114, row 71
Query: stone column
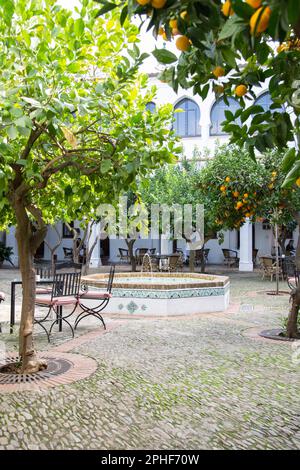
column 95, row 260
column 246, row 263
column 165, row 246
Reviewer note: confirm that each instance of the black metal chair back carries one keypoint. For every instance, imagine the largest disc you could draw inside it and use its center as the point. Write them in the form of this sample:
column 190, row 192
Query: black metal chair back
column 66, row 283
column 111, row 278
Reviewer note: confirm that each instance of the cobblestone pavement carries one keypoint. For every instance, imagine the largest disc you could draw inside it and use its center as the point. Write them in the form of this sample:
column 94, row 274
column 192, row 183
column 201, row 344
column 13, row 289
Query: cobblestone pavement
column 184, row 383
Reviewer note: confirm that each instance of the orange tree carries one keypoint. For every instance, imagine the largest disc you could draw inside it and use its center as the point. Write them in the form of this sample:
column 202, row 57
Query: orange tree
column 234, row 187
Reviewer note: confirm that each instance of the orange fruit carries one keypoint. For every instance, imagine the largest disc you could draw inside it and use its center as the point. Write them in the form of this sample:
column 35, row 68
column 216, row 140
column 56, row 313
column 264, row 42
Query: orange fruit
column 143, row 2
column 254, row 3
column 259, row 21
column 218, row 71
column 161, row 31
column 248, row 214
column 222, row 188
column 183, row 43
column 235, row 193
column 270, row 186
column 298, row 182
column 274, row 174
column 173, row 24
column 239, row 204
column 165, row 37
column 227, row 179
column 158, row 3
column 246, row 195
column 227, row 8
column 241, row 90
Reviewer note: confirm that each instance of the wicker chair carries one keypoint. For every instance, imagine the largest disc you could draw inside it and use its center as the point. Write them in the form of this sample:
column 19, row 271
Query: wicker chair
column 269, row 268
column 230, row 257
column 139, row 254
column 150, row 264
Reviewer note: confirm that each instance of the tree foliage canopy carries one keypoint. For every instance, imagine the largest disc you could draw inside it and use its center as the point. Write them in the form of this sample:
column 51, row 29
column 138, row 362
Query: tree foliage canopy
column 74, row 129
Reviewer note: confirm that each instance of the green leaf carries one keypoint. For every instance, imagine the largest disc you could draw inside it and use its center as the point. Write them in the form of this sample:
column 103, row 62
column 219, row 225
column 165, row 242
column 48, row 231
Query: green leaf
column 124, row 14
column 106, row 8
column 164, row 57
column 292, row 175
column 293, row 10
column 105, row 166
column 288, row 160
column 12, row 132
column 255, row 109
column 231, row 27
column 79, row 27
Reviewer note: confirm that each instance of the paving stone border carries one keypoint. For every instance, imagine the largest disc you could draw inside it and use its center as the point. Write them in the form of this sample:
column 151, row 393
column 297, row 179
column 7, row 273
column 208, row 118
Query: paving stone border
column 256, row 333
column 81, row 366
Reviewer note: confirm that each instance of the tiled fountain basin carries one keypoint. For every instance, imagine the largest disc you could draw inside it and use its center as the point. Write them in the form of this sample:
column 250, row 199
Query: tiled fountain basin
column 163, row 294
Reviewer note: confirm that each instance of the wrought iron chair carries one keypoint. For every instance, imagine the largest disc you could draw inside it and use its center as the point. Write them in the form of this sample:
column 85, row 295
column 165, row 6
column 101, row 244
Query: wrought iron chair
column 64, row 293
column 68, row 253
column 230, row 257
column 124, row 255
column 101, row 297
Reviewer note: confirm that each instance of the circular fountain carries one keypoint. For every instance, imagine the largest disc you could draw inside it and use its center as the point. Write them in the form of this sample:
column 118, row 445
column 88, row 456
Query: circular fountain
column 163, row 294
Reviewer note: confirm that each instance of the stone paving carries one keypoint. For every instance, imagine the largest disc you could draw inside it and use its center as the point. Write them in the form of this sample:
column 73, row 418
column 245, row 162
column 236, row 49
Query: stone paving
column 197, row 382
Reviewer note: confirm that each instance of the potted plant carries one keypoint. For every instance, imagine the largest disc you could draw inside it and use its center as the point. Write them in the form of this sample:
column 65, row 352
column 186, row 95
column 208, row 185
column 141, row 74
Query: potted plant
column 5, row 253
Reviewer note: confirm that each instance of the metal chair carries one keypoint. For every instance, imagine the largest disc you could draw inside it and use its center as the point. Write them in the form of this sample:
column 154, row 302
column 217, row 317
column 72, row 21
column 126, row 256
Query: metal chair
column 64, row 292
column 230, row 257
column 124, row 255
column 68, row 253
column 102, row 297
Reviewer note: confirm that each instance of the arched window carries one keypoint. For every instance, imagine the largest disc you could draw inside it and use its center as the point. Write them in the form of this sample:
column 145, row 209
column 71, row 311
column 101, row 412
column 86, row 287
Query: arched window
column 187, row 121
column 151, row 107
column 217, row 114
column 265, row 101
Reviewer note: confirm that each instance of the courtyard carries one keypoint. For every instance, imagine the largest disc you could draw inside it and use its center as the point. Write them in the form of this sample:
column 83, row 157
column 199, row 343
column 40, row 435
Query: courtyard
column 204, row 381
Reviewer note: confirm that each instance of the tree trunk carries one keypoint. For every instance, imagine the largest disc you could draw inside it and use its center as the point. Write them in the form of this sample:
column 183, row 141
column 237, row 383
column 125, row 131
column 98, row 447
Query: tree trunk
column 24, row 236
column 192, row 261
column 130, row 244
column 292, row 325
